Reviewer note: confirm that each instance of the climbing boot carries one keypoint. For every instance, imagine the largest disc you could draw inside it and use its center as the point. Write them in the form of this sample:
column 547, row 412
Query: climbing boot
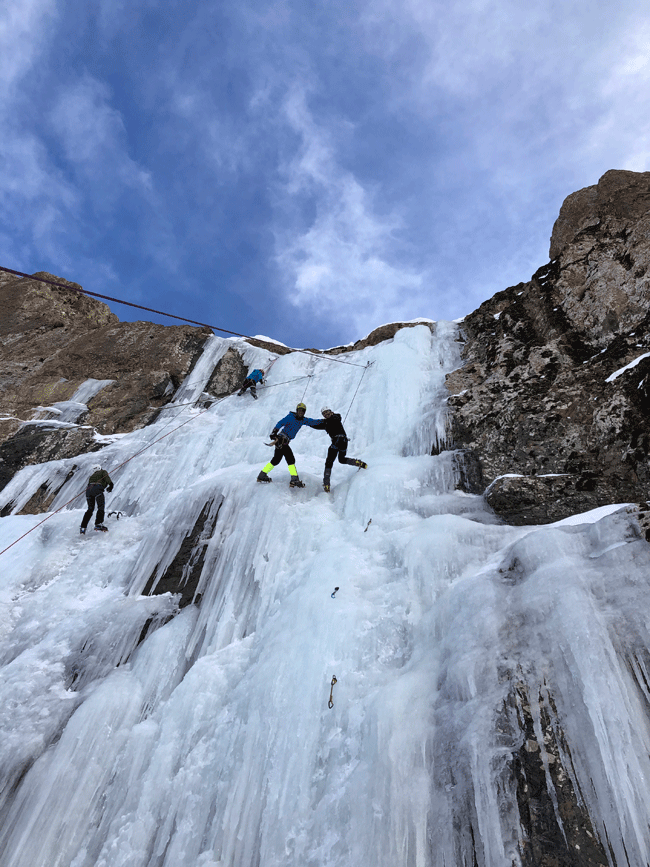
column 101, row 528
column 82, row 530
column 263, row 477
column 326, row 487
column 296, row 483
column 361, row 465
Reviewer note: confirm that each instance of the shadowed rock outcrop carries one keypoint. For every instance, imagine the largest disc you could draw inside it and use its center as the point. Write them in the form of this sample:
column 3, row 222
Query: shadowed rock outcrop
column 228, row 375
column 555, row 390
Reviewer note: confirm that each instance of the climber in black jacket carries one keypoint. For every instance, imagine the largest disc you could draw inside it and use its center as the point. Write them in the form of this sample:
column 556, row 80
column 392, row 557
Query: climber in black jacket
column 97, row 483
column 334, row 426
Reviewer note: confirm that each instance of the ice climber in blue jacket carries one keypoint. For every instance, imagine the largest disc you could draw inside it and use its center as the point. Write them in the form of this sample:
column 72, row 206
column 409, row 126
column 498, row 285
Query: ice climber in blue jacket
column 254, row 378
column 282, row 434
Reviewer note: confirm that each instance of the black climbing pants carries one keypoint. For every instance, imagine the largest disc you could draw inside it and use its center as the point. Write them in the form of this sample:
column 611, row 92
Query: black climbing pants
column 249, row 383
column 94, row 495
column 283, row 452
column 339, row 447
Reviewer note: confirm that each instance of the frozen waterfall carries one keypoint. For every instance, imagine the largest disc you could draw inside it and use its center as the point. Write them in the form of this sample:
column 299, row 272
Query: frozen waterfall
column 135, row 734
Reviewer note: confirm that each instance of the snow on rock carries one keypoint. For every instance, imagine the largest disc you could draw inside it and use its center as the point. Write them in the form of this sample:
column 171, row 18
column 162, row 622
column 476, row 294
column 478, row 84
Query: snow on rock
column 627, row 367
column 70, row 411
column 211, row 742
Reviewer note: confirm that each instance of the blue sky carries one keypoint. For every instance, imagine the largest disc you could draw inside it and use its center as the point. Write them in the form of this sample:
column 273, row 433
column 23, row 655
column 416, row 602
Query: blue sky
column 304, row 170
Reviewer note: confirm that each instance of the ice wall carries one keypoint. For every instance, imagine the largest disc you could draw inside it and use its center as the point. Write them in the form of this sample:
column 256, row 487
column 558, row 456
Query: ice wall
column 211, row 742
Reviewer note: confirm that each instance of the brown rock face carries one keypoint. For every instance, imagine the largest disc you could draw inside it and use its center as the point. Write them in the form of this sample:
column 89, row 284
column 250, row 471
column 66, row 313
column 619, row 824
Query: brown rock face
column 228, row 375
column 536, row 397
column 52, row 340
column 601, row 244
column 617, row 199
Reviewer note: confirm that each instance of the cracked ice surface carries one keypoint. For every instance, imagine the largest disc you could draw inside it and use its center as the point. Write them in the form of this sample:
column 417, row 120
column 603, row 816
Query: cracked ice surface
column 211, row 743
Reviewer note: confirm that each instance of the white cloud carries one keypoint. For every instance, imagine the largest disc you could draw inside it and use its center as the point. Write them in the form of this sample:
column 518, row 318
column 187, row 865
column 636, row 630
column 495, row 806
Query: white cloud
column 23, row 29
column 624, row 91
column 35, row 198
column 27, row 172
column 345, row 265
column 199, row 125
column 36, row 202
column 555, row 83
column 94, row 139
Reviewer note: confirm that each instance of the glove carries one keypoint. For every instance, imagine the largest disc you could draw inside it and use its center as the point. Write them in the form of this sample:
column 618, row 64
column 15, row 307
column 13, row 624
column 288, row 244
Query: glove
column 109, row 488
column 274, row 433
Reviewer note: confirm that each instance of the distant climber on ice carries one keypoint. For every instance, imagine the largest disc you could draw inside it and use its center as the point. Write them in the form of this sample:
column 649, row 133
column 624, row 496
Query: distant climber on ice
column 281, row 435
column 97, row 483
column 254, row 378
column 334, row 426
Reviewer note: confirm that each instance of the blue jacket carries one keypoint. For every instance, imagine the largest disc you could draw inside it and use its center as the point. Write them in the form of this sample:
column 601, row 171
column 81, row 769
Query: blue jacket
column 256, row 375
column 291, row 424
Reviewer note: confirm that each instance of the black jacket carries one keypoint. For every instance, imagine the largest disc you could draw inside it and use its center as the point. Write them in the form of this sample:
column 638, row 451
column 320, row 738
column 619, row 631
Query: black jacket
column 333, row 425
column 101, row 477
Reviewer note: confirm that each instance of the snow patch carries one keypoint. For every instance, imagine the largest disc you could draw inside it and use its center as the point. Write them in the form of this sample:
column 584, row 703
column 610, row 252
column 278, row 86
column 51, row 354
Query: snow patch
column 629, row 366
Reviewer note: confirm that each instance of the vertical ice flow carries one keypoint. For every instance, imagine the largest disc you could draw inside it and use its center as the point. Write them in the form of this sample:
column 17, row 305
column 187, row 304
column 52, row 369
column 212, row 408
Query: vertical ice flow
column 210, row 742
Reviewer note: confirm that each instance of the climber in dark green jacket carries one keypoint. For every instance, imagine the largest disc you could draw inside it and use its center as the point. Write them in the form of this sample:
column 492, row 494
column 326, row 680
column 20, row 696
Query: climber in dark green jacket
column 98, row 481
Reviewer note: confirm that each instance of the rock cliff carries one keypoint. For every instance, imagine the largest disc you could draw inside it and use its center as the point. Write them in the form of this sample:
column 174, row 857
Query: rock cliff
column 551, row 406
column 549, row 412
column 53, row 343
column 548, row 416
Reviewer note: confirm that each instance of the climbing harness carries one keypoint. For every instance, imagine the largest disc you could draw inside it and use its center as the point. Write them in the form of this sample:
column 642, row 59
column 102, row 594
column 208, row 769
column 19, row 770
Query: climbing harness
column 330, row 703
column 279, row 441
column 162, row 313
column 333, row 595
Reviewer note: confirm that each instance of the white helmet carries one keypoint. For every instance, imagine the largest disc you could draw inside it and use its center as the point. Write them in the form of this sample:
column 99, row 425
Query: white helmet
column 325, row 409
column 96, row 468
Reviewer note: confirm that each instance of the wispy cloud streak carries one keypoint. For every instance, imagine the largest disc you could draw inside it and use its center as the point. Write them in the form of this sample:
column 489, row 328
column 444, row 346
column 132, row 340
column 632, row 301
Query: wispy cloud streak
column 345, row 265
column 94, row 139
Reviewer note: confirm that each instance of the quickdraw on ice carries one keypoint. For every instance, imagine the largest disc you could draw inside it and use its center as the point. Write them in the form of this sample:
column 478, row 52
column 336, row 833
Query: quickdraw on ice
column 333, row 595
column 367, row 525
column 330, row 703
